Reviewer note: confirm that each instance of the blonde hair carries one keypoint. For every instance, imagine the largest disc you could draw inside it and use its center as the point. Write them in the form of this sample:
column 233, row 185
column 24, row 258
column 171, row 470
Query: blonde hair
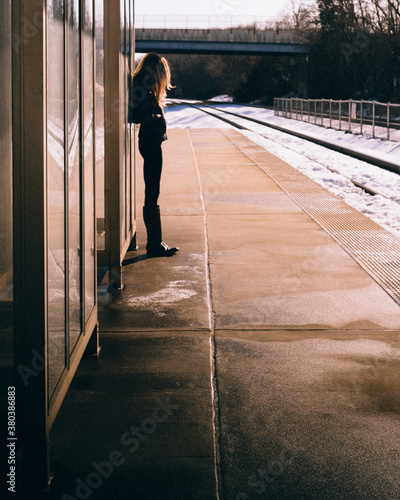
column 154, row 72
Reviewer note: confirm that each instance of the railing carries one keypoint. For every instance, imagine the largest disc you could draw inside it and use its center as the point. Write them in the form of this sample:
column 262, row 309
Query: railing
column 167, row 21
column 377, row 119
column 240, row 35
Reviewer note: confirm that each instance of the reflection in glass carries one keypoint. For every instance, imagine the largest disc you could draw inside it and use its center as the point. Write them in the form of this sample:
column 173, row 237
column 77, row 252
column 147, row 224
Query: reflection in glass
column 88, row 156
column 6, row 221
column 74, row 183
column 55, row 191
column 127, row 127
column 131, row 168
column 6, row 274
column 100, row 214
column 123, row 92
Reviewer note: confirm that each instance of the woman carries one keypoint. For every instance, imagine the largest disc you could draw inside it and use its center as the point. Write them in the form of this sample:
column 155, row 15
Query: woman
column 149, row 85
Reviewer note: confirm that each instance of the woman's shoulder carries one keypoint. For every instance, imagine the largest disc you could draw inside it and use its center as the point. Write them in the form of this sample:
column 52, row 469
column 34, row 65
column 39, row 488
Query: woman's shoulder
column 137, row 80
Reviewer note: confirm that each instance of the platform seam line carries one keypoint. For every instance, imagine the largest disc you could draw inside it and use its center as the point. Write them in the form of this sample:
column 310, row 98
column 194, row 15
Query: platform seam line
column 213, row 357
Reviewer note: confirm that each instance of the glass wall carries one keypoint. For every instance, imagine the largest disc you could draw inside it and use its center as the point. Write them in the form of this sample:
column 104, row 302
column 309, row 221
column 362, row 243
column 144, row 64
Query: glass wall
column 100, row 152
column 127, row 177
column 123, row 82
column 6, row 234
column 5, row 161
column 131, row 214
column 56, row 191
column 52, row 176
column 70, row 178
column 126, row 151
column 74, row 173
column 88, row 78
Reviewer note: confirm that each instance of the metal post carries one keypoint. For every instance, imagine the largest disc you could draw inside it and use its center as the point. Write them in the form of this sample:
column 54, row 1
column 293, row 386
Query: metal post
column 315, row 111
column 373, row 119
column 340, row 114
column 309, row 104
column 361, row 116
column 330, row 113
column 322, row 112
column 388, row 121
column 350, row 115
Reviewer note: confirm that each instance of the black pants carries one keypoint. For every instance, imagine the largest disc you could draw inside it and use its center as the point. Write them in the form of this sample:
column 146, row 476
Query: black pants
column 152, row 166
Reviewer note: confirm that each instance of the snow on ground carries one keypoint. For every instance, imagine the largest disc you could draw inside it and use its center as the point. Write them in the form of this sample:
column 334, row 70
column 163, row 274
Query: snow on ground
column 222, row 98
column 314, row 160
column 383, row 149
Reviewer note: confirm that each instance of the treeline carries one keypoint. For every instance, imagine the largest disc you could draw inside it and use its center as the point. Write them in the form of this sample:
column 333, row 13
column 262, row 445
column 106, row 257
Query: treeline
column 355, row 48
column 354, row 53
column 245, row 78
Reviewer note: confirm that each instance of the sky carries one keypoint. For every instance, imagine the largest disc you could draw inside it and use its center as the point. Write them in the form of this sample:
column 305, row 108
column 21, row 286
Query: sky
column 267, row 9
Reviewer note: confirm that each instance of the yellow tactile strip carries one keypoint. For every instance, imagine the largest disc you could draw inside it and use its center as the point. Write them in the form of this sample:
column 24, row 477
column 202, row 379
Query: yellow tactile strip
column 374, row 248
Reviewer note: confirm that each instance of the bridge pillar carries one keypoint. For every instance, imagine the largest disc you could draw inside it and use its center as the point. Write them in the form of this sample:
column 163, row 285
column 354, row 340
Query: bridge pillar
column 299, row 74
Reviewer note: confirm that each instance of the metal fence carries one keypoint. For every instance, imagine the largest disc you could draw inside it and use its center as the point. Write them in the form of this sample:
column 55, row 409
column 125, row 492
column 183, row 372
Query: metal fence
column 239, row 35
column 377, row 119
column 212, row 21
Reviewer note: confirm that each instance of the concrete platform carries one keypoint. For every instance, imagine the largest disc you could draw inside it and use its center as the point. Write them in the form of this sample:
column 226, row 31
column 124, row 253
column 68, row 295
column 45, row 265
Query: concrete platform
column 261, row 361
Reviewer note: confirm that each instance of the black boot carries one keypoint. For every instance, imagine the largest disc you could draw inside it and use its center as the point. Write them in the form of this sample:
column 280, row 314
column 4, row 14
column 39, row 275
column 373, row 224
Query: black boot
column 155, row 246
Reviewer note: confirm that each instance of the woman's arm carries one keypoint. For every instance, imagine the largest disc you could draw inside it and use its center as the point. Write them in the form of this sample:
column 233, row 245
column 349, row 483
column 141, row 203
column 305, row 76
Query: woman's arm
column 142, row 106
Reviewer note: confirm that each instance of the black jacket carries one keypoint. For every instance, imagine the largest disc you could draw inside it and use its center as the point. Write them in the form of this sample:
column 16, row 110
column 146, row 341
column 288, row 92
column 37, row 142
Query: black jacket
column 144, row 109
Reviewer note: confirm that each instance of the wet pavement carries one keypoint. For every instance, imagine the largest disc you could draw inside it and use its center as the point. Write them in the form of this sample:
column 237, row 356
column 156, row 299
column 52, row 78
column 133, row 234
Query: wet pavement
column 261, row 361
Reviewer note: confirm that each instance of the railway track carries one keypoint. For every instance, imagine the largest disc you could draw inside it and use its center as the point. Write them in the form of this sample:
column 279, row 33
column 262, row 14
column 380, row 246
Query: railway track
column 224, row 116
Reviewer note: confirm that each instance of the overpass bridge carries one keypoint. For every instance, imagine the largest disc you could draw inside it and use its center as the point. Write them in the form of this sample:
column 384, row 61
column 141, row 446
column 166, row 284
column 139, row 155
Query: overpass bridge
column 272, row 38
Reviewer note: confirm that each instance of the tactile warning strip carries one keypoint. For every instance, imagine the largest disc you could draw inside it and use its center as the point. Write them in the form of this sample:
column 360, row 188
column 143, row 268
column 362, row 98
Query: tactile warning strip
column 375, row 249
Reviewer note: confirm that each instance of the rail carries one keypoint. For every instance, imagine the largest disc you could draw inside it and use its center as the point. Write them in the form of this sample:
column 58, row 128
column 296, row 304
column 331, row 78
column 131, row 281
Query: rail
column 377, row 119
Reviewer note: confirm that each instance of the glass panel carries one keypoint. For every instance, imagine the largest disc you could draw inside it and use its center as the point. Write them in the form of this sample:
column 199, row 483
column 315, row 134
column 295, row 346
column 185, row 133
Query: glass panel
column 6, row 264
column 74, row 175
column 100, row 213
column 127, row 127
column 88, row 156
column 132, row 135
column 55, row 191
column 123, row 91
column 5, row 159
